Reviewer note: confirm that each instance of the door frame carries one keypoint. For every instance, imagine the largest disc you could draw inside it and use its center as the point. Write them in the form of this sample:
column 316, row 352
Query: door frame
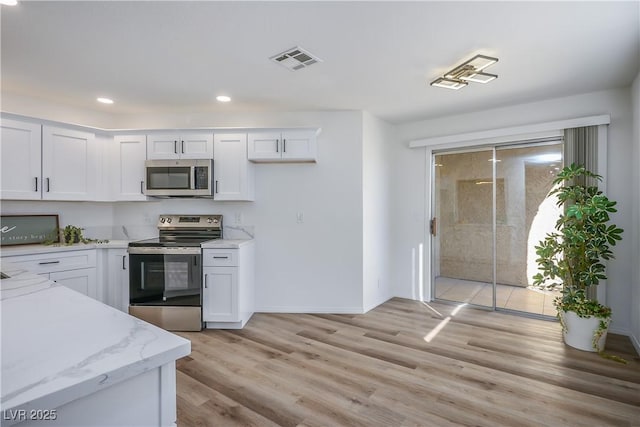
column 520, row 141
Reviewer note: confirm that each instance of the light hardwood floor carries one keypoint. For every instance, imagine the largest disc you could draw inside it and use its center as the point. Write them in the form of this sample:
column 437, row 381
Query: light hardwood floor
column 518, row 298
column 405, row 363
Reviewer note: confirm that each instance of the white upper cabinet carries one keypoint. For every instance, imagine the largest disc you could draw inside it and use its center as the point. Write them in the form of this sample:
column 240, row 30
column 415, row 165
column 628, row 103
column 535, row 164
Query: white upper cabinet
column 282, row 146
column 70, row 164
column 180, row 146
column 128, row 171
column 46, row 162
column 232, row 172
column 21, row 156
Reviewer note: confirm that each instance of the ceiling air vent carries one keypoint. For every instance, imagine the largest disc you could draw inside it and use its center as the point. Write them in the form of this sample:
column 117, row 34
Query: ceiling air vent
column 295, row 58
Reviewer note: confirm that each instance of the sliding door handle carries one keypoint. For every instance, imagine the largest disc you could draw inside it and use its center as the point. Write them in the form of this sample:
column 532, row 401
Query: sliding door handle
column 433, row 226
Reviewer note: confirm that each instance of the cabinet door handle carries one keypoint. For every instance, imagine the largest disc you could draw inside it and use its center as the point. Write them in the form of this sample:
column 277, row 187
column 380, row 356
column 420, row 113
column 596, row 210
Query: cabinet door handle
column 124, row 257
column 175, row 147
column 48, row 185
column 36, row 184
column 220, row 257
column 182, row 146
column 277, row 145
column 141, row 187
column 216, row 186
column 49, row 262
column 206, row 279
column 433, row 226
column 284, row 145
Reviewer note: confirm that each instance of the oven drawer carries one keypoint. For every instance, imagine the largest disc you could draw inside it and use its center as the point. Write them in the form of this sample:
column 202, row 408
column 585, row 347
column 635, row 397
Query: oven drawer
column 220, row 257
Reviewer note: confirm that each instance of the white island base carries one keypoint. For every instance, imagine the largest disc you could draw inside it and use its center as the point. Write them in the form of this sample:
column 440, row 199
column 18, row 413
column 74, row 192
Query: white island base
column 69, row 360
column 148, row 399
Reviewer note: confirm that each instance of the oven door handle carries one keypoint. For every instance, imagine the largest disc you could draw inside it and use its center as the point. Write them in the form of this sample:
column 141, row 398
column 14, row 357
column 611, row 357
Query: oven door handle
column 195, row 250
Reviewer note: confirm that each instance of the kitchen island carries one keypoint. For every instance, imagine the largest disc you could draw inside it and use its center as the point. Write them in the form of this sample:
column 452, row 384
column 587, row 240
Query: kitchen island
column 69, row 360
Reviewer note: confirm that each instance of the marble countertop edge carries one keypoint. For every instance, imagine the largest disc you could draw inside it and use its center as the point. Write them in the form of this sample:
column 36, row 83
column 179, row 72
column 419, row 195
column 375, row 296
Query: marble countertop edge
column 92, row 385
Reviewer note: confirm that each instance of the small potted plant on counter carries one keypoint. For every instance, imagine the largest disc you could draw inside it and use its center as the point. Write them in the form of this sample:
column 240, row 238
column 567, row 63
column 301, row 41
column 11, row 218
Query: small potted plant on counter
column 69, row 235
column 572, row 258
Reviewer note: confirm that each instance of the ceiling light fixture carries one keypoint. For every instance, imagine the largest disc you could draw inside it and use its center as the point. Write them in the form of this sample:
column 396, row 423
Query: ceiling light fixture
column 223, row 98
column 469, row 71
column 9, row 2
column 104, row 100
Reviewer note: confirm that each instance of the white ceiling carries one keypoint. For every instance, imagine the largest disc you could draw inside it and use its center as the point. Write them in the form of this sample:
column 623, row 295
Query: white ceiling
column 377, row 56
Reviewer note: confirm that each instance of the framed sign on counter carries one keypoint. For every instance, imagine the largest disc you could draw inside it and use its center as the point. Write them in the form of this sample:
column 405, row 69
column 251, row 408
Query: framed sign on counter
column 28, row 229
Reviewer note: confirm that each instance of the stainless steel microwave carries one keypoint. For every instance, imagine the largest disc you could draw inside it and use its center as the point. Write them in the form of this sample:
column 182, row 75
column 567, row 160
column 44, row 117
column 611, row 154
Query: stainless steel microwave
column 179, row 178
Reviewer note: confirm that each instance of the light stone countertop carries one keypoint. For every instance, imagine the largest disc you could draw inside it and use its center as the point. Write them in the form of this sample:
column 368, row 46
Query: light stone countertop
column 225, row 243
column 59, row 345
column 7, row 251
column 42, row 249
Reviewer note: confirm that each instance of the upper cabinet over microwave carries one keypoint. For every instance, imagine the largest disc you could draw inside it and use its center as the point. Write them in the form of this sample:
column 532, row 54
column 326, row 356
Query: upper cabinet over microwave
column 180, row 146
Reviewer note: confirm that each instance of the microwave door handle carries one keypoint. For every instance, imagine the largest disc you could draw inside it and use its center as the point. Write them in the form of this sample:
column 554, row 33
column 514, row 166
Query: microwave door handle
column 193, row 177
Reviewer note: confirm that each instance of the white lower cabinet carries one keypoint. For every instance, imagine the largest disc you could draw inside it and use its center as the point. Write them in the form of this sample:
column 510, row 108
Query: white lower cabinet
column 220, row 296
column 83, row 280
column 74, row 269
column 117, row 279
column 228, row 286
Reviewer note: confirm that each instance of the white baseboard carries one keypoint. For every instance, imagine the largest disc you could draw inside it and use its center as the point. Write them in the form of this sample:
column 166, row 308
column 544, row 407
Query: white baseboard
column 636, row 343
column 309, row 310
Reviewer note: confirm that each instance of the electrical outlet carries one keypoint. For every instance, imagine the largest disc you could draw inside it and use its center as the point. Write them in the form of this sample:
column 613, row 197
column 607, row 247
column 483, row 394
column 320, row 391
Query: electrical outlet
column 237, row 217
column 300, row 217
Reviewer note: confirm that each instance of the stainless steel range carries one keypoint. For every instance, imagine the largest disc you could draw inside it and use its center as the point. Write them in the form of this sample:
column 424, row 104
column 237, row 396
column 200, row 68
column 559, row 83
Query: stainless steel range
column 165, row 274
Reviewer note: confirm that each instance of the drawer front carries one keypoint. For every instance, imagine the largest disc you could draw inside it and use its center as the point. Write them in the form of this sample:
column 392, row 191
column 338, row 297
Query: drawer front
column 220, row 257
column 50, row 262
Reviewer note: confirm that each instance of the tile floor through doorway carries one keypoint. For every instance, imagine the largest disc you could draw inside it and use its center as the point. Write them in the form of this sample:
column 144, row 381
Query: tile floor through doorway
column 509, row 297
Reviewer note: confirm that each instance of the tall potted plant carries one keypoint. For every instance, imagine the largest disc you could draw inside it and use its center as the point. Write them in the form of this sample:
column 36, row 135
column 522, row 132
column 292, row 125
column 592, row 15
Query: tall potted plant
column 572, row 257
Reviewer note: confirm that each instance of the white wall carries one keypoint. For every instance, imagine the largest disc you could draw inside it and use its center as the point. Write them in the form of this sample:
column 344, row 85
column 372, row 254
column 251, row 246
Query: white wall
column 95, row 218
column 313, row 266
column 377, row 143
column 410, row 182
column 635, row 230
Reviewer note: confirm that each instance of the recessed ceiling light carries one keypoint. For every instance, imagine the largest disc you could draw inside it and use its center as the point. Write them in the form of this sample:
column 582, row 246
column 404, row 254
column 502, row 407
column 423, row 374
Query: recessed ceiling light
column 223, row 98
column 105, row 100
column 9, row 2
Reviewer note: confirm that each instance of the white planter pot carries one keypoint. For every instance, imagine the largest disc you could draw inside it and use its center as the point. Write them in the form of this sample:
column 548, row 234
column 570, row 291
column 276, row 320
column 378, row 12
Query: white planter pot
column 579, row 331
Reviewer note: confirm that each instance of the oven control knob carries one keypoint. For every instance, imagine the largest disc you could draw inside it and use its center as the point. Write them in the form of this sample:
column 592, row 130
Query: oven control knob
column 209, row 220
column 162, row 220
column 169, row 220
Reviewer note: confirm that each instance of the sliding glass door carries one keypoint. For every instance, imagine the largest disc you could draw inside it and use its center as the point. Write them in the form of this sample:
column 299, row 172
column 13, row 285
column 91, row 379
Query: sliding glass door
column 463, row 232
column 490, row 210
